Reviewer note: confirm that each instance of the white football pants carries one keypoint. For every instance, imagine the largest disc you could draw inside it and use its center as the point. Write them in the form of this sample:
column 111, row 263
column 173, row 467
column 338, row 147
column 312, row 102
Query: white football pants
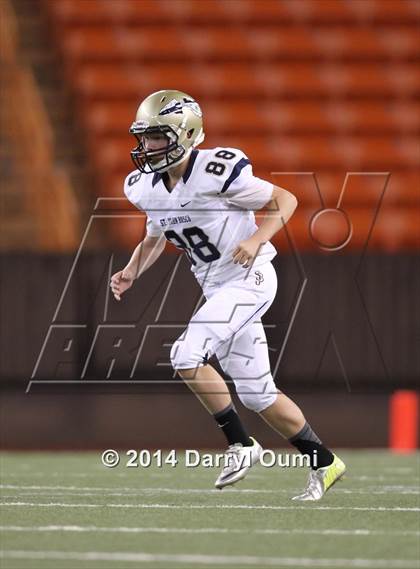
column 229, row 326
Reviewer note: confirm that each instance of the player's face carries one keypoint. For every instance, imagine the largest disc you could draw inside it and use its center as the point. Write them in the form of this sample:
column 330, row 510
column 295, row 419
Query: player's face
column 155, row 141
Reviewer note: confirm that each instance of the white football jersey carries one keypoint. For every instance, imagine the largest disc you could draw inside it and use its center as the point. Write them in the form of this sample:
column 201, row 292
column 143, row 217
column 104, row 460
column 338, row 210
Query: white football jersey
column 208, row 212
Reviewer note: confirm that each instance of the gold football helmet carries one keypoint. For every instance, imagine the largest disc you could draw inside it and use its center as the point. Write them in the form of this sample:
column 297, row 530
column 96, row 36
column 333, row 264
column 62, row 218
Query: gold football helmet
column 174, row 116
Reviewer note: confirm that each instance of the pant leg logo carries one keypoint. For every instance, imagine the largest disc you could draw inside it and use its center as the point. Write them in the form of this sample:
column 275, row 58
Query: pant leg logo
column 259, row 277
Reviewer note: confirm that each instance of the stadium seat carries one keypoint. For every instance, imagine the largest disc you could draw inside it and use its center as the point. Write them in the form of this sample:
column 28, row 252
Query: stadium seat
column 392, row 230
column 315, row 86
column 146, row 12
column 241, row 117
column 285, row 153
column 361, row 190
column 168, row 43
column 99, row 81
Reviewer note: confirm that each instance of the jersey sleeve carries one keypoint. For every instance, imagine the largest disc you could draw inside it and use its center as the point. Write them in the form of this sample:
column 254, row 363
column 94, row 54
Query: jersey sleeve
column 241, row 188
column 152, row 228
column 132, row 192
column 131, row 188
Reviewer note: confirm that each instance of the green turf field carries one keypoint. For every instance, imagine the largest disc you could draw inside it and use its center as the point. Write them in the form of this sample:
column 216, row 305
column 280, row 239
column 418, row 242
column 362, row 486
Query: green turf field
column 63, row 510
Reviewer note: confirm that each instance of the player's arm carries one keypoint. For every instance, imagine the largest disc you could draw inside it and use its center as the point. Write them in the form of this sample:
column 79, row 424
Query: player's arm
column 143, row 257
column 280, row 209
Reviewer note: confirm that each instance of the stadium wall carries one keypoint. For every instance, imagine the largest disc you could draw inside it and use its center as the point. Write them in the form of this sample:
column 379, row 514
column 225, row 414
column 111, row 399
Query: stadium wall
column 342, row 335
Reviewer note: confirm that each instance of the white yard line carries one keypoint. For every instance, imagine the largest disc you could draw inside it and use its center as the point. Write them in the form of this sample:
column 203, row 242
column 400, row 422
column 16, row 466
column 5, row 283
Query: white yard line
column 242, row 560
column 118, row 491
column 207, row 492
column 207, row 507
column 274, row 531
column 381, row 477
column 99, row 472
column 399, row 469
column 409, row 491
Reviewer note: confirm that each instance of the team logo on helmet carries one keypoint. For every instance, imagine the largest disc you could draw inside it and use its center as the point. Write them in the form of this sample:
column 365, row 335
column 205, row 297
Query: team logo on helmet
column 176, row 107
column 173, row 106
column 193, row 106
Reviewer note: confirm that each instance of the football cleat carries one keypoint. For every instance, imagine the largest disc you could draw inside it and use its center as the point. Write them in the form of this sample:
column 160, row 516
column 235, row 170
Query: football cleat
column 238, row 460
column 321, row 480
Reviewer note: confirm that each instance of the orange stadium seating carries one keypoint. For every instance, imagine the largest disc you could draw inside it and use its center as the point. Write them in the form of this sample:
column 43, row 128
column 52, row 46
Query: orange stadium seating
column 255, row 81
column 275, row 153
column 392, row 230
column 241, row 117
column 324, row 86
column 171, row 43
column 361, row 190
column 82, row 13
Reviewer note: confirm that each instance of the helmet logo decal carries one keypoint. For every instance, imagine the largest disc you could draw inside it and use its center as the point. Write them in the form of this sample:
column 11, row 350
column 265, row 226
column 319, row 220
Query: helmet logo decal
column 176, row 107
column 193, row 106
column 173, row 106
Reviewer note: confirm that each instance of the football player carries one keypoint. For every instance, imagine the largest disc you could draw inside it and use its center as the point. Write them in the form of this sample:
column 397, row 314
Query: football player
column 203, row 201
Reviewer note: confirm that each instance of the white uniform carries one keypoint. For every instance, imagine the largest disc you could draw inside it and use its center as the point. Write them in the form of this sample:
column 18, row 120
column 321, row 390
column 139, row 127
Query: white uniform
column 208, row 212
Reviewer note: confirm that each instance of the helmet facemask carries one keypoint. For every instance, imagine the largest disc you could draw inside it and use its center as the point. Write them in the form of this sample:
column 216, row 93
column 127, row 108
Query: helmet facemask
column 159, row 160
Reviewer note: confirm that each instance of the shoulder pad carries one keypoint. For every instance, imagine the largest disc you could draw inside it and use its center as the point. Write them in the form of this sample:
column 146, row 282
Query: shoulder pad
column 130, row 182
column 226, row 165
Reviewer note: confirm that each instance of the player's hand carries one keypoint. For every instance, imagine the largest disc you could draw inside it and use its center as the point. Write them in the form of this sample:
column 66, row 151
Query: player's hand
column 246, row 251
column 121, row 281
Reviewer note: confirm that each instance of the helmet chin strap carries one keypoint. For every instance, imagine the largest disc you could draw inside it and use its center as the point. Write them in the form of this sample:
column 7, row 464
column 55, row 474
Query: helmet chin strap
column 176, row 164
